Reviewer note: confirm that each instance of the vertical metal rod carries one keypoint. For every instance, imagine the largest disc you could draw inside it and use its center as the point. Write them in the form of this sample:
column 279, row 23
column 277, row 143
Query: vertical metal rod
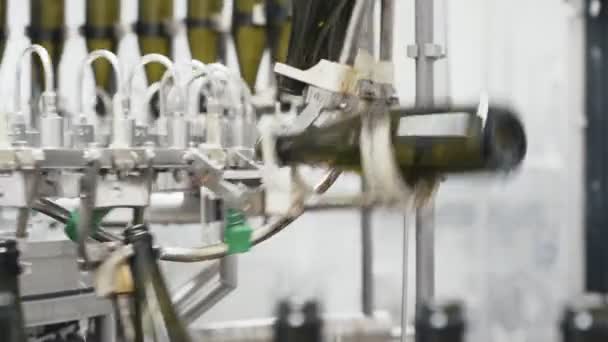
column 404, row 282
column 387, row 27
column 425, row 253
column 367, row 260
column 367, row 252
column 425, row 90
column 425, row 224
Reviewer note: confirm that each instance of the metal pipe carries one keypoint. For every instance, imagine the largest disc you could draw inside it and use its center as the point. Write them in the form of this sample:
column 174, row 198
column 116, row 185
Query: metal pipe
column 387, row 27
column 187, row 290
column 227, row 282
column 195, row 298
column 425, row 224
column 367, row 41
column 349, row 50
column 425, row 253
column 425, row 32
column 367, row 262
column 404, row 282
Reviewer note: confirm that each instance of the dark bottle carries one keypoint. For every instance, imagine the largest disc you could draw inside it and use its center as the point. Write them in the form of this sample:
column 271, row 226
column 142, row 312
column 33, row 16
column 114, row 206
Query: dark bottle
column 281, row 327
column 440, row 323
column 99, row 31
column 12, row 327
column 204, row 37
column 586, row 321
column 249, row 37
column 278, row 16
column 47, row 28
column 154, row 35
column 318, row 32
column 454, row 141
column 310, row 329
column 152, row 297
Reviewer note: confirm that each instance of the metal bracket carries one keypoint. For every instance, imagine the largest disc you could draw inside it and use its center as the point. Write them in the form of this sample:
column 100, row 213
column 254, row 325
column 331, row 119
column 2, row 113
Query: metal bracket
column 210, row 175
column 326, row 75
column 429, row 50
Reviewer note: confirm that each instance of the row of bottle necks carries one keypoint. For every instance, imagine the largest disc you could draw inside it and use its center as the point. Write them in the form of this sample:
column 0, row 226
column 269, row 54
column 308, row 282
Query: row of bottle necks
column 436, row 322
column 257, row 26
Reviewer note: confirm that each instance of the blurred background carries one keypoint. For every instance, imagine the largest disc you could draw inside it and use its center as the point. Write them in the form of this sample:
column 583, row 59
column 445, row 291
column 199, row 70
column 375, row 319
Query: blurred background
column 510, row 247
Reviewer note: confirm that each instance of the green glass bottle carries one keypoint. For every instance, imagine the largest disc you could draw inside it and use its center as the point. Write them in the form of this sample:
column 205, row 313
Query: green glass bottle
column 249, row 37
column 46, row 28
column 153, row 299
column 278, row 14
column 99, row 32
column 448, row 141
column 12, row 327
column 318, row 32
column 153, row 33
column 204, row 37
column 47, row 18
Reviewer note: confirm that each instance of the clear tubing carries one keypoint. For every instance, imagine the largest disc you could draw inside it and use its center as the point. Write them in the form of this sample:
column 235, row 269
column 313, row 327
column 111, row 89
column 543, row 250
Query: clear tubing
column 150, row 91
column 88, row 62
column 168, row 81
column 228, row 91
column 49, row 77
column 47, row 67
column 145, row 60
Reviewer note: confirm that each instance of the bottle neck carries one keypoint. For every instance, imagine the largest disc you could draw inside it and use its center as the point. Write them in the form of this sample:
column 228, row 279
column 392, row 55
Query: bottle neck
column 150, row 288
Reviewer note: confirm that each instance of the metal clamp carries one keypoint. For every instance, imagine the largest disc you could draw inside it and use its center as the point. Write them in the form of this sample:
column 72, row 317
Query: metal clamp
column 428, row 50
column 383, row 179
column 210, row 174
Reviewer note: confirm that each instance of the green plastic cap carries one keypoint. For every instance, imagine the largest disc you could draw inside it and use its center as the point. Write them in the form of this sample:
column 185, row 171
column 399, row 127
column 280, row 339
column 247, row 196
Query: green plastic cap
column 71, row 227
column 238, row 233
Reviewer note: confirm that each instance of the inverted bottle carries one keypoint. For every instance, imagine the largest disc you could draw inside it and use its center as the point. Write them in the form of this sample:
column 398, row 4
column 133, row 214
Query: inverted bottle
column 433, row 141
column 153, row 299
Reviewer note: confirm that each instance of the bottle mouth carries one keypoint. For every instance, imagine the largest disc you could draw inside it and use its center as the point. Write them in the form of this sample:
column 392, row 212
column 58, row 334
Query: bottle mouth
column 136, row 233
column 505, row 143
